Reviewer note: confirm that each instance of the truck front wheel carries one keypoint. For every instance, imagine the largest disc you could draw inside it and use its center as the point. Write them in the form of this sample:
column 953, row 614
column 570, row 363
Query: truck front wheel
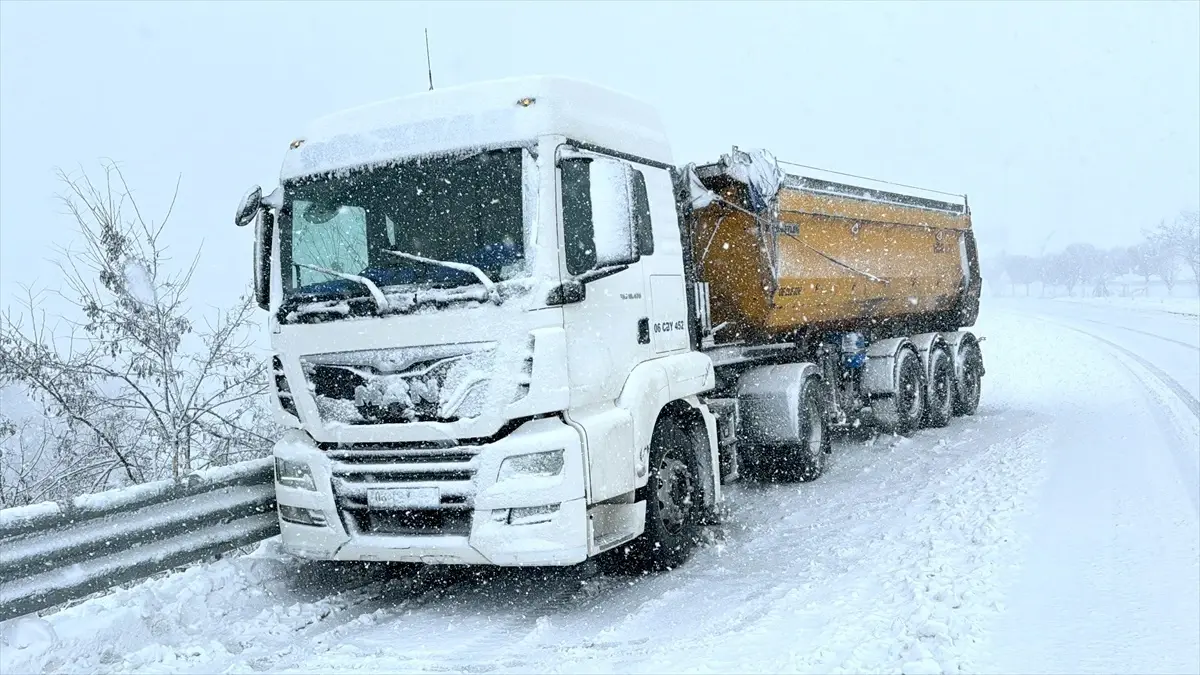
column 674, row 505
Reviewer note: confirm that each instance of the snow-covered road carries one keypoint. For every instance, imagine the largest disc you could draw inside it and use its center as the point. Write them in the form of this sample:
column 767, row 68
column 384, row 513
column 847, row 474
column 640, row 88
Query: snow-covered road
column 1056, row 531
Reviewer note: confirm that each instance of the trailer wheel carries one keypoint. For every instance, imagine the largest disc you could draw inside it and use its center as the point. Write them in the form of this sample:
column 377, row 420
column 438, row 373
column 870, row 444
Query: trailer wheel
column 901, row 412
column 939, row 396
column 674, row 505
column 969, row 382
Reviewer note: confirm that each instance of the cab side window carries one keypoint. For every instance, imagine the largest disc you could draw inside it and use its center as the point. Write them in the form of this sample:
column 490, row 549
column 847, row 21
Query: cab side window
column 642, row 227
column 577, row 217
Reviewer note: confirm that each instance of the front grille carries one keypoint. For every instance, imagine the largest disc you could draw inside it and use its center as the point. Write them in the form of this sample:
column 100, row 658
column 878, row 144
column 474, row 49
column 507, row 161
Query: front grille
column 451, row 470
column 434, row 383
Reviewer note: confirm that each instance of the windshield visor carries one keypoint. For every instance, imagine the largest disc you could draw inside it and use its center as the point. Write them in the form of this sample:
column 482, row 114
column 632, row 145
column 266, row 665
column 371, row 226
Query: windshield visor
column 466, row 208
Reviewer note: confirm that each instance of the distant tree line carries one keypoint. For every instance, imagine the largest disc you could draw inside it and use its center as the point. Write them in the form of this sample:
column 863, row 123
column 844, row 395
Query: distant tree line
column 1165, row 251
column 130, row 383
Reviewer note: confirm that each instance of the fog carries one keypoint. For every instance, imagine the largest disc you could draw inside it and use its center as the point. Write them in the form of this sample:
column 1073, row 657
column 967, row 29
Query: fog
column 1063, row 122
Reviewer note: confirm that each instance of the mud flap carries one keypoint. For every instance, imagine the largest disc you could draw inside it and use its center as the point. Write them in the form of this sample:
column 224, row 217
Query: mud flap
column 611, row 525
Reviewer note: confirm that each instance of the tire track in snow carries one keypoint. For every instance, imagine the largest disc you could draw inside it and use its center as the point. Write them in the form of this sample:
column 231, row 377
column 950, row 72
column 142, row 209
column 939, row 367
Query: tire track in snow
column 1108, row 580
column 448, row 626
column 1156, row 382
column 927, row 607
column 1184, row 395
column 1142, row 332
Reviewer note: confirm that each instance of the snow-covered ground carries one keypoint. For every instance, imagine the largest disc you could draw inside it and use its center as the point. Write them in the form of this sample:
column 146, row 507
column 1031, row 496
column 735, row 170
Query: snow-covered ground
column 1056, row 531
column 1170, row 305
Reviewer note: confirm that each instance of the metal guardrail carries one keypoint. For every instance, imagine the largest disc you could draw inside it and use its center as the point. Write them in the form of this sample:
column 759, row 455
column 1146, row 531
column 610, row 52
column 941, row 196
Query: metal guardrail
column 55, row 552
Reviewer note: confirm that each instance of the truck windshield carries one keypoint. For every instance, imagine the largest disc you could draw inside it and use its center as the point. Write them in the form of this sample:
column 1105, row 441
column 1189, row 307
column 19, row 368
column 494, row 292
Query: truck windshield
column 466, row 208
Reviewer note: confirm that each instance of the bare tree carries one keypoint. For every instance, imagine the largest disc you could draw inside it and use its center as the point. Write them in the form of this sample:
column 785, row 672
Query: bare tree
column 1182, row 237
column 141, row 389
column 1075, row 265
column 33, row 464
column 1164, row 254
column 1022, row 270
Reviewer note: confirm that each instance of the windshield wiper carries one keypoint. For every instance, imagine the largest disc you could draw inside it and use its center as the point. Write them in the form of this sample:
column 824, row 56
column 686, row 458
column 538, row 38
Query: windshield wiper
column 381, row 301
column 488, row 284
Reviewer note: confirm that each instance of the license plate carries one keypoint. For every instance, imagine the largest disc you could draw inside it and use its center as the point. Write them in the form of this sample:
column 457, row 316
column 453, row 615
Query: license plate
column 404, row 498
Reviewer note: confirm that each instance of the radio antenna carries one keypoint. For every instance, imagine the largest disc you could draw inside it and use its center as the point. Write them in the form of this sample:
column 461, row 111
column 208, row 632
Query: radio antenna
column 428, row 62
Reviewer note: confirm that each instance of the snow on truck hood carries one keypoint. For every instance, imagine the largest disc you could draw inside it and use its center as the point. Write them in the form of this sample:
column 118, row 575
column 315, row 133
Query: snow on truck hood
column 458, row 372
column 478, row 115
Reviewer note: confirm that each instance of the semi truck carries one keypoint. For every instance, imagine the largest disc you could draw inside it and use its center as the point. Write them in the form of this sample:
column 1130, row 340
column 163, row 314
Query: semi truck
column 507, row 328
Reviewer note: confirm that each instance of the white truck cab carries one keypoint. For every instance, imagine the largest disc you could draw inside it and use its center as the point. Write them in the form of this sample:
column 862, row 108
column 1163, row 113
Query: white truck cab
column 483, row 346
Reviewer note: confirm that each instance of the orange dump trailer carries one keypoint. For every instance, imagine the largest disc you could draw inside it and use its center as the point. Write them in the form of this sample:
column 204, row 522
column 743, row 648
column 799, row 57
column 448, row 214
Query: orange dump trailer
column 784, row 255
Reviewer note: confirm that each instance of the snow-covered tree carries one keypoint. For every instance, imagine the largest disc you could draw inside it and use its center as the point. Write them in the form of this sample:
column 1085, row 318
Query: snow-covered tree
column 1022, row 270
column 1187, row 226
column 1178, row 241
column 1163, row 254
column 135, row 385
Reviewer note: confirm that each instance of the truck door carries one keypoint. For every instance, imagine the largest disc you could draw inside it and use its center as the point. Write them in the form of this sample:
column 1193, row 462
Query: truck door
column 662, row 263
column 603, row 209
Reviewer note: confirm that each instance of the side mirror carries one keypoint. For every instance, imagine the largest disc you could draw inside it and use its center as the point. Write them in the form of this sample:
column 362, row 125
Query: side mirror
column 264, row 233
column 568, row 292
column 249, row 207
column 612, row 212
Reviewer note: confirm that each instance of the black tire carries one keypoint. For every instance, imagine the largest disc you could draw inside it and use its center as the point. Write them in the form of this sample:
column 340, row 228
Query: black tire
column 939, row 394
column 674, row 505
column 901, row 412
column 968, row 384
column 804, row 461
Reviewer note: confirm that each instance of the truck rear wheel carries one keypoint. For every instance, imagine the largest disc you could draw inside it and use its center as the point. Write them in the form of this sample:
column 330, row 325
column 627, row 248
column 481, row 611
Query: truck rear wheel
column 674, row 505
column 801, row 461
column 968, row 384
column 901, row 412
column 806, row 460
column 939, row 401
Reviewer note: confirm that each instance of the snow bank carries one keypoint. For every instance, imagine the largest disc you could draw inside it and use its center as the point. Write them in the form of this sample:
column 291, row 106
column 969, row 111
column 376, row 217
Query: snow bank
column 242, row 612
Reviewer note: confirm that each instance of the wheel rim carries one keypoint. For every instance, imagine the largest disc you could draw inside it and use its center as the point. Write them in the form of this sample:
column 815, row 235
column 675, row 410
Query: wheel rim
column 674, row 493
column 942, row 385
column 909, row 395
column 971, row 384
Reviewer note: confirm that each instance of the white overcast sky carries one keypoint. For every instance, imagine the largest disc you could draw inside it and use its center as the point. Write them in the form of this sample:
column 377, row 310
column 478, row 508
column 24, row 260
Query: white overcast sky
column 1078, row 119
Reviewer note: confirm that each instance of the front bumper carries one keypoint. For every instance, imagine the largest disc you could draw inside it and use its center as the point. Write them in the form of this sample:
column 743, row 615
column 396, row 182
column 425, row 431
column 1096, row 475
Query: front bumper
column 471, row 526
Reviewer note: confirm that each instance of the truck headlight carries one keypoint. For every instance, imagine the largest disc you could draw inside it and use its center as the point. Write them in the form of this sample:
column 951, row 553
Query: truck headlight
column 528, row 515
column 534, row 464
column 294, row 474
column 295, row 514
